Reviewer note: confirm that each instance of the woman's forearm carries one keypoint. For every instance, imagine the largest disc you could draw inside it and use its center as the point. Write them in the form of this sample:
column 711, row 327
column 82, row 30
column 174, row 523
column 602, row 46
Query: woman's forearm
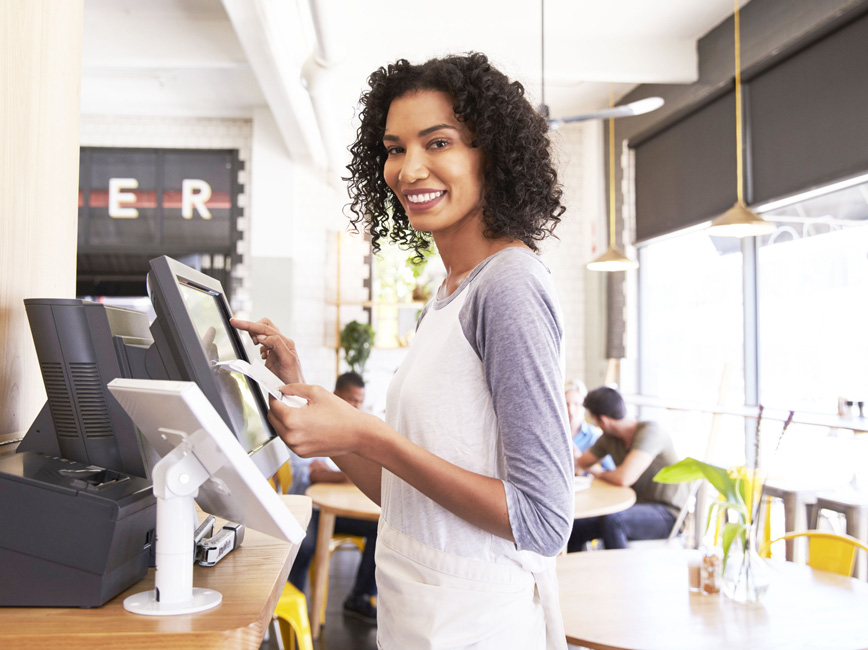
column 365, row 474
column 478, row 499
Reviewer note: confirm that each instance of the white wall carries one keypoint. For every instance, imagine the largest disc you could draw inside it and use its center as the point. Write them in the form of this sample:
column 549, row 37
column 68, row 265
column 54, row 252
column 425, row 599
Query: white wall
column 295, row 220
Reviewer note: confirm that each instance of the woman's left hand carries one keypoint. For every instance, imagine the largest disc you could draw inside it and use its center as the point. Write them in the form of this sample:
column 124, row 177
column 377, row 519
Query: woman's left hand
column 326, row 426
column 278, row 351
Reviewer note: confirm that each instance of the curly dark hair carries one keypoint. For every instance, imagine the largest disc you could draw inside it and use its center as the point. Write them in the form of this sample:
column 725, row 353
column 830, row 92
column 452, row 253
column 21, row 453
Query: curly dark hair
column 522, row 193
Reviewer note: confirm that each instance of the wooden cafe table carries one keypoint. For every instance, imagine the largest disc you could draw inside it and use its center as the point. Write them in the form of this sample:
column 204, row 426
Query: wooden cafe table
column 334, row 500
column 601, row 498
column 250, row 579
column 637, row 599
column 346, row 500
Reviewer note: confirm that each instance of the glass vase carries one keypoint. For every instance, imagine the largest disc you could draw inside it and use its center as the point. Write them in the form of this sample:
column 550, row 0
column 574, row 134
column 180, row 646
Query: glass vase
column 746, row 576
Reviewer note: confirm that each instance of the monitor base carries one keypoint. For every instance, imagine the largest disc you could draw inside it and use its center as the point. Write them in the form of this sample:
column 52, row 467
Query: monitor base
column 145, row 602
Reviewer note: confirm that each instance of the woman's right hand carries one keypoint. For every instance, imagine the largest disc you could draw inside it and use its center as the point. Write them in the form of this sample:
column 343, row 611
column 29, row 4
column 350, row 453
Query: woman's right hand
column 277, row 350
column 325, row 426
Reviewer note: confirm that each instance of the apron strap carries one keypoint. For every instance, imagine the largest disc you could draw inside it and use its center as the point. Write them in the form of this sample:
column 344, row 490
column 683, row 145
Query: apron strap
column 547, row 586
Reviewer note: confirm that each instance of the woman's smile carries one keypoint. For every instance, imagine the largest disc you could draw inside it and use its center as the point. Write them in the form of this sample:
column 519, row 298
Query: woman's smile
column 423, row 199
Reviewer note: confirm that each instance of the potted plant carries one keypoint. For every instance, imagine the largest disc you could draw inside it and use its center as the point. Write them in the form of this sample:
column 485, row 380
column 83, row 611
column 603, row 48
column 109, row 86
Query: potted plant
column 356, row 340
column 417, row 262
column 737, row 509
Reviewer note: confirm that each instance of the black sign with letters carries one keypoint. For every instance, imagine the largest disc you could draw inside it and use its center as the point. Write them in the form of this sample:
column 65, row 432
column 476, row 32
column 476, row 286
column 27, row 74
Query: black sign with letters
column 162, row 200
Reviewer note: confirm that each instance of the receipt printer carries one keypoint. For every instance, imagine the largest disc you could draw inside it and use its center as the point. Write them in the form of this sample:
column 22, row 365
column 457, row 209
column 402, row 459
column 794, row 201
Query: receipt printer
column 71, row 535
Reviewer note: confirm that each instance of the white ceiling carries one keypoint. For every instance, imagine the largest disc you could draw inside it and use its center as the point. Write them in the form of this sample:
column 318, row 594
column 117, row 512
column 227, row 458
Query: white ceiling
column 225, row 58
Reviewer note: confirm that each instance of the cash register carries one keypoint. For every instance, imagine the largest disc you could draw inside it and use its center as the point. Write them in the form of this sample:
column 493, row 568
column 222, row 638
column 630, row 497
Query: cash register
column 77, row 510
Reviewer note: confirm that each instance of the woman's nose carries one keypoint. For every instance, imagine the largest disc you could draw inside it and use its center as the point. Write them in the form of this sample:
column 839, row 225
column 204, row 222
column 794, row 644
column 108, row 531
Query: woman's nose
column 413, row 167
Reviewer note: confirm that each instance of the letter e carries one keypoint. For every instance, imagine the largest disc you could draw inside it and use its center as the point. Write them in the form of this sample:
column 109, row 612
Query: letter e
column 116, row 197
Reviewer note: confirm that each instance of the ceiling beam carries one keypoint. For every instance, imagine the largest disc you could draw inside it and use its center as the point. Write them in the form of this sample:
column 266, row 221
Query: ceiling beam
column 274, row 44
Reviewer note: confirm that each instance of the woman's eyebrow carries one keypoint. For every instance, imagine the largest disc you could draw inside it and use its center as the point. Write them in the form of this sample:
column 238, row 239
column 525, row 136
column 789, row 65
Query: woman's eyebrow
column 437, row 127
column 431, row 129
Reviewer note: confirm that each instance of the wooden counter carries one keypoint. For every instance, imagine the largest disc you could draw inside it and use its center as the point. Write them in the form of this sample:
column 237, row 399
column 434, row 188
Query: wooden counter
column 250, row 578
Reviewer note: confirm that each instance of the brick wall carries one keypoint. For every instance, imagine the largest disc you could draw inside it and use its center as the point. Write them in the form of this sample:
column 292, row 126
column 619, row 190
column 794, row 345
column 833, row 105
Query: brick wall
column 581, row 237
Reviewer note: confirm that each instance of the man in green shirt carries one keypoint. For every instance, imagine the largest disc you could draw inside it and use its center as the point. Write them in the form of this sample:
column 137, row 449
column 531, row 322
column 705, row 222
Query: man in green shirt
column 640, row 450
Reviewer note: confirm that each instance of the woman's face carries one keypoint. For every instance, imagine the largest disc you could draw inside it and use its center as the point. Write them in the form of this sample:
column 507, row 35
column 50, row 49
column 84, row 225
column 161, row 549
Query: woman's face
column 431, row 167
column 575, row 410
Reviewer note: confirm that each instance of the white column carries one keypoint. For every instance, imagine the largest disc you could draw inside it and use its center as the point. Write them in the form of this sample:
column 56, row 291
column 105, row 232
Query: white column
column 40, row 95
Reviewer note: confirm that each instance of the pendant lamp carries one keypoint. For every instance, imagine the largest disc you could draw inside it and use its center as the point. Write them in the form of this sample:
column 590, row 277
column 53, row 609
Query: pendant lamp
column 613, row 259
column 739, row 220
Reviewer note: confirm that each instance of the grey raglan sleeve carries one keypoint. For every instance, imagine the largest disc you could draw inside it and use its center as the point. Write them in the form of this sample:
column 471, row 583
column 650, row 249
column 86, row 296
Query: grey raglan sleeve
column 513, row 324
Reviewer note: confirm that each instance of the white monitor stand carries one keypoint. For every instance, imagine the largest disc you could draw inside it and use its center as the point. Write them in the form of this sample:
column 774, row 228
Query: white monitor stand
column 201, row 460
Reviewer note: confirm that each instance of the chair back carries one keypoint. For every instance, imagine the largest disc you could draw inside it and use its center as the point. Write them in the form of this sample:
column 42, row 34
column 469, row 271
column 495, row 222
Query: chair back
column 282, row 480
column 829, row 551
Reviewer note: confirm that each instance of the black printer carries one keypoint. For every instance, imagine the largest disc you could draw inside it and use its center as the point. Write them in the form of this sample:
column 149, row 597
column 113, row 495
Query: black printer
column 77, row 511
column 71, row 535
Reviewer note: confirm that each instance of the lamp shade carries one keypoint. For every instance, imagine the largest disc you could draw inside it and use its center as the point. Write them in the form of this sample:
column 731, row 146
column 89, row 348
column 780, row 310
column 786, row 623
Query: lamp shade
column 740, row 221
column 612, row 260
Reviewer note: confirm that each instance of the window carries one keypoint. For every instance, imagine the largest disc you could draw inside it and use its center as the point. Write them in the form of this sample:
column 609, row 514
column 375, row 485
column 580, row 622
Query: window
column 812, row 311
column 691, row 338
column 812, row 288
column 690, row 297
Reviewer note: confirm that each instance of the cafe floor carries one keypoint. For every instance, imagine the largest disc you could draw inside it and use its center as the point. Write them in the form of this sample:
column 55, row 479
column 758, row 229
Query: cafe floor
column 340, row 632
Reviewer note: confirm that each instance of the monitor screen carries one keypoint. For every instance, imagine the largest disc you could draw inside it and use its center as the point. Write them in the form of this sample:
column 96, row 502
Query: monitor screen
column 216, row 335
column 192, row 332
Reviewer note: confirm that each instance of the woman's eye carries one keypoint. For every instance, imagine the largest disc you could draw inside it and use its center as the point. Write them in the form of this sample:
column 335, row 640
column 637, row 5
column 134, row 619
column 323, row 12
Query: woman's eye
column 394, row 151
column 438, row 144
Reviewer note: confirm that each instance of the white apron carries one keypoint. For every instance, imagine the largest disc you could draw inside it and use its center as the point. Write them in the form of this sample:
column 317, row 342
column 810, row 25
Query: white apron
column 431, row 600
column 442, row 582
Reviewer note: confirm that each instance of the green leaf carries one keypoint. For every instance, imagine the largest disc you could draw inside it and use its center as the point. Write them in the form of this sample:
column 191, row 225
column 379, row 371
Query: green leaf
column 730, row 530
column 740, row 484
column 691, row 469
column 711, row 509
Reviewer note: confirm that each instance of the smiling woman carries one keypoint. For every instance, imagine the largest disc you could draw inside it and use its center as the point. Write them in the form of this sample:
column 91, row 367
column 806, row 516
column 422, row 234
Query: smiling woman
column 522, row 194
column 473, row 467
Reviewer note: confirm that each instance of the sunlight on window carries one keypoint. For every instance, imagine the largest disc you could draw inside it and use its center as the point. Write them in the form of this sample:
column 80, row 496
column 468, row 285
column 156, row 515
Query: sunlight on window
column 813, row 303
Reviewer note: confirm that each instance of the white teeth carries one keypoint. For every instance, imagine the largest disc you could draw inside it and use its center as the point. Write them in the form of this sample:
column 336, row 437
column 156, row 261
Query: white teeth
column 424, row 198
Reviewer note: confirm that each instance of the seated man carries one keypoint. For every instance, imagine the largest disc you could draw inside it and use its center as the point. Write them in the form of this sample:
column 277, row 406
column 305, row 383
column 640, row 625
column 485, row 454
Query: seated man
column 305, row 471
column 580, row 429
column 640, row 450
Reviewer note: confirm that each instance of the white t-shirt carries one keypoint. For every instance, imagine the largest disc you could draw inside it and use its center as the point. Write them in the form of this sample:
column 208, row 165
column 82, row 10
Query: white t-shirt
column 482, row 387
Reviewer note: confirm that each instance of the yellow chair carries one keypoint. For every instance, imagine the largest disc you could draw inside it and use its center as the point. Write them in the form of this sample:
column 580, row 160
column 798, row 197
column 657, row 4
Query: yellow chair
column 827, row 551
column 282, row 480
column 337, row 542
column 291, row 615
column 291, row 611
